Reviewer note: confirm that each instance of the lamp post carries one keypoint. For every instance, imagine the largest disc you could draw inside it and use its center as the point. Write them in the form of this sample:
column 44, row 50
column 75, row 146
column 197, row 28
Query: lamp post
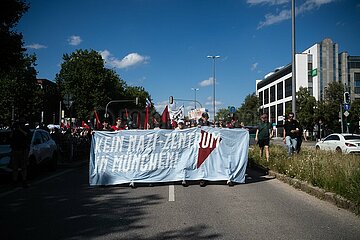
column 214, row 57
column 293, row 104
column 195, row 89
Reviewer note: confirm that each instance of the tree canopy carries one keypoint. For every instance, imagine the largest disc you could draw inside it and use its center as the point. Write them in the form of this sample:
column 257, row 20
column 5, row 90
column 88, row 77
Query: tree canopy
column 83, row 75
column 17, row 73
column 306, row 105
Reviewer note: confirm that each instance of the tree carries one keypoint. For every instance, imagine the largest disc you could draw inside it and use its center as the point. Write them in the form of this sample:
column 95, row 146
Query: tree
column 354, row 117
column 249, row 110
column 90, row 84
column 306, row 105
column 17, row 73
column 223, row 114
column 327, row 111
column 131, row 92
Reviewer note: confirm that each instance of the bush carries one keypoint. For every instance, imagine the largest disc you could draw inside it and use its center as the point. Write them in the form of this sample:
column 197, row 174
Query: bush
column 332, row 172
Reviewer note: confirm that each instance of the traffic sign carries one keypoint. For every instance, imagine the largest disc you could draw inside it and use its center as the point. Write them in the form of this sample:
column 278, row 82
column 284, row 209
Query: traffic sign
column 346, row 107
column 232, row 109
column 346, row 113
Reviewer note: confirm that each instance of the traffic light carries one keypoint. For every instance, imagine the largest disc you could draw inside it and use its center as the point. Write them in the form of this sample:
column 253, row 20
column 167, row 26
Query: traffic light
column 346, row 97
column 171, row 99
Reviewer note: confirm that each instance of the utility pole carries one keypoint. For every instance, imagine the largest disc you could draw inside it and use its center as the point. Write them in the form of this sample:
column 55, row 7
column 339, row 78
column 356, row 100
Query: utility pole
column 293, row 105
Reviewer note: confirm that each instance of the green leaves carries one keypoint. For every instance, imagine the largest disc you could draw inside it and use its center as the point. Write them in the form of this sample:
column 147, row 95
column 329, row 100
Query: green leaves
column 306, row 106
column 84, row 76
column 17, row 72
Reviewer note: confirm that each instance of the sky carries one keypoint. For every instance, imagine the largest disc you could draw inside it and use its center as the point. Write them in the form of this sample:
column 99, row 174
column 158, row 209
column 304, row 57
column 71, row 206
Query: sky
column 162, row 45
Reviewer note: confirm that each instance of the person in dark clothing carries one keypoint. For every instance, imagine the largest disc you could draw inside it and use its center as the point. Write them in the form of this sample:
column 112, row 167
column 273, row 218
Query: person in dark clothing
column 204, row 120
column 19, row 149
column 291, row 133
column 300, row 138
column 263, row 135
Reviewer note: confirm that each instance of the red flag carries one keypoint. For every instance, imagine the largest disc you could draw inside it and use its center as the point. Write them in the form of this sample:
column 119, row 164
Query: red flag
column 98, row 123
column 146, row 122
column 165, row 116
column 126, row 114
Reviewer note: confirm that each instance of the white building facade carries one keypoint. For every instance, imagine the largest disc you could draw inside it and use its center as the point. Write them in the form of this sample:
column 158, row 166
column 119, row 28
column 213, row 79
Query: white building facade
column 316, row 67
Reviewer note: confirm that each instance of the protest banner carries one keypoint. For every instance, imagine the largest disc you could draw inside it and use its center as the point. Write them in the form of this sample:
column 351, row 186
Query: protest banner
column 168, row 155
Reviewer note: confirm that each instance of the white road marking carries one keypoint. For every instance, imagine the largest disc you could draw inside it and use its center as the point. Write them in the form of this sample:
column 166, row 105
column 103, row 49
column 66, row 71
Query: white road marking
column 171, row 193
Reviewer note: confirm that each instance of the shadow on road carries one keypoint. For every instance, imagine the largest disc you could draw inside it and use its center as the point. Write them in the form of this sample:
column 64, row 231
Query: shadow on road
column 67, row 208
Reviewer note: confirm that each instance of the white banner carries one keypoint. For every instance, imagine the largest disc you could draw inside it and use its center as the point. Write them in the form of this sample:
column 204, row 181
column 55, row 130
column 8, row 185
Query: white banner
column 168, row 155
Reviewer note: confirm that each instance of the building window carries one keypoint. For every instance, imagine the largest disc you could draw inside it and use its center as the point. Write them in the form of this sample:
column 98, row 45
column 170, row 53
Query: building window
column 272, row 114
column 356, row 76
column 357, row 83
column 266, row 96
column 261, row 98
column 280, row 90
column 266, row 111
column 272, row 93
column 288, row 107
column 288, row 87
column 280, row 112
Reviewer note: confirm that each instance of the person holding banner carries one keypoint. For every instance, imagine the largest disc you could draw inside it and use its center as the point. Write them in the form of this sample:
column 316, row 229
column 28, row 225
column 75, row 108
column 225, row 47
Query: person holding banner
column 204, row 120
column 106, row 126
column 263, row 135
column 118, row 126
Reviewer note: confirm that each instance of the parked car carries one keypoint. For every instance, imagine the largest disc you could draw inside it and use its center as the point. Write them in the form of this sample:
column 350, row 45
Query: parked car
column 42, row 150
column 341, row 143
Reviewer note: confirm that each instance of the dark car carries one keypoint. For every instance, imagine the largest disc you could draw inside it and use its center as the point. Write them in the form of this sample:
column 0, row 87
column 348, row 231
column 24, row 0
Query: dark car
column 42, row 150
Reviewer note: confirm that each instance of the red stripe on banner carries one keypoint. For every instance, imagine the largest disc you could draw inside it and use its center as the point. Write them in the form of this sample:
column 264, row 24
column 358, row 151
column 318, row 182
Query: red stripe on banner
column 206, row 146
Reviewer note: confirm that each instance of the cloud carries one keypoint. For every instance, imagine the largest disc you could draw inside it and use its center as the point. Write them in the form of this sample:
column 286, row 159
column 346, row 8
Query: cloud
column 269, row 2
column 35, row 46
column 160, row 106
column 270, row 18
column 254, row 66
column 207, row 82
column 129, row 60
column 74, row 40
column 217, row 103
column 209, row 101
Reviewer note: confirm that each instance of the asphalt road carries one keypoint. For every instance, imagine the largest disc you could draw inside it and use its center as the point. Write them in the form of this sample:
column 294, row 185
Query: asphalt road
column 63, row 206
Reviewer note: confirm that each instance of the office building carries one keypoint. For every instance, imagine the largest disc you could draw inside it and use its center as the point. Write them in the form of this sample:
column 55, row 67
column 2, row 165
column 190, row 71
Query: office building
column 316, row 67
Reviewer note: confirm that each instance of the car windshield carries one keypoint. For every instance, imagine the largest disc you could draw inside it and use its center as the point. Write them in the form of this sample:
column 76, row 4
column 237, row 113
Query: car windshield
column 352, row 137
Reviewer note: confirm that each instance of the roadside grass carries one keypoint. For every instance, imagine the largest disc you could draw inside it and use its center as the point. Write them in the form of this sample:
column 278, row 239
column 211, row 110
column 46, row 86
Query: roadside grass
column 333, row 172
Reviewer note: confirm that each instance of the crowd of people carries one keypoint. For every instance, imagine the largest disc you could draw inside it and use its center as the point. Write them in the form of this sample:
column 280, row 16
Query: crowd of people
column 121, row 124
column 74, row 142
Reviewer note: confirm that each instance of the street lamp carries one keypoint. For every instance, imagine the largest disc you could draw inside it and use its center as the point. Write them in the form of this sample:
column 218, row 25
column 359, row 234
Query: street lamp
column 195, row 89
column 293, row 92
column 214, row 81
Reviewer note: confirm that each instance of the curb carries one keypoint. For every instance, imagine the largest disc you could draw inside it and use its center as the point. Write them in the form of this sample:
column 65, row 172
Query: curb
column 317, row 192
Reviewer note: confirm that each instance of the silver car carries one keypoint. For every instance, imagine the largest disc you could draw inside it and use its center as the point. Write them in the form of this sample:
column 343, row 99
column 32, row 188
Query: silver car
column 341, row 143
column 42, row 150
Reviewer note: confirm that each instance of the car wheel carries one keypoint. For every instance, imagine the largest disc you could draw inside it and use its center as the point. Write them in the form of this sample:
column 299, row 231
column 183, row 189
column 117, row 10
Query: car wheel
column 338, row 150
column 317, row 148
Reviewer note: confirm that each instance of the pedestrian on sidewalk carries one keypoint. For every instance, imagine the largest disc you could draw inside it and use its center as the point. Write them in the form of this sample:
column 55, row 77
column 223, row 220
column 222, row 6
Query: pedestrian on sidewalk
column 263, row 135
column 291, row 133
